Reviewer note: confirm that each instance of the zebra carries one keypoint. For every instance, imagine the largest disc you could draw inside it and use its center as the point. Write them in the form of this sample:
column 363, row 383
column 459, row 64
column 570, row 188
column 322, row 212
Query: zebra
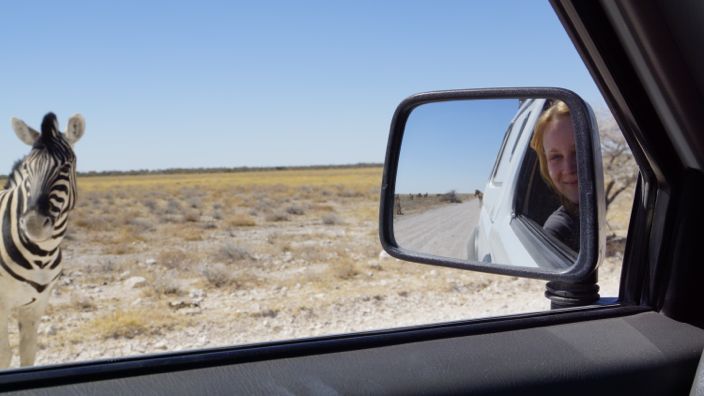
column 34, row 207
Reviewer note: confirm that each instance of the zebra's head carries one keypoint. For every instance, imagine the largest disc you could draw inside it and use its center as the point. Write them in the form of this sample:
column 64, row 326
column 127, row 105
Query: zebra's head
column 46, row 177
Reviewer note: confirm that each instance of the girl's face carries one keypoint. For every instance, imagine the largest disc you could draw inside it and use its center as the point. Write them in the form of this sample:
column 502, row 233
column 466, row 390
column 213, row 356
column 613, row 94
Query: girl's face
column 558, row 142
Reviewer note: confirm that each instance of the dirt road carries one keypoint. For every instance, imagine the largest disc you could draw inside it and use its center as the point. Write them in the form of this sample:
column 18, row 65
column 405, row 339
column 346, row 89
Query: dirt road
column 442, row 231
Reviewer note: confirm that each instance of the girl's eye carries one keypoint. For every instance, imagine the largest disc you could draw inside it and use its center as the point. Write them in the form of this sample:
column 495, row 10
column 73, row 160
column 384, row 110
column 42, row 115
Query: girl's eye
column 555, row 157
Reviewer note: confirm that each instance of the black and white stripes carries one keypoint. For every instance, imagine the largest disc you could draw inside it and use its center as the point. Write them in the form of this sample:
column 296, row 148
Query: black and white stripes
column 34, row 211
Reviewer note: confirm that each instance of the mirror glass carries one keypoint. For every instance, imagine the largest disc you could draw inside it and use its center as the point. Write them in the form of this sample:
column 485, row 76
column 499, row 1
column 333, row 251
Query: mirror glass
column 491, row 181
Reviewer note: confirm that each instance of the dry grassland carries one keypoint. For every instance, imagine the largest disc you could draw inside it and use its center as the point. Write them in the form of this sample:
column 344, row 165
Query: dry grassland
column 158, row 263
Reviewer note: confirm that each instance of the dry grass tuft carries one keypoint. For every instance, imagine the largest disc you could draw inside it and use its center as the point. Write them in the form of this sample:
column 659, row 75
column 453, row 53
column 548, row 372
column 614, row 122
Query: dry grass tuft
column 277, row 216
column 345, row 268
column 190, row 234
column 322, row 208
column 117, row 249
column 175, row 259
column 231, row 252
column 132, row 323
column 191, row 216
column 332, row 219
column 241, row 220
column 349, row 193
column 82, row 303
column 141, row 225
column 295, row 210
column 218, row 275
column 89, row 222
column 267, row 313
column 152, row 205
column 168, row 285
column 123, row 242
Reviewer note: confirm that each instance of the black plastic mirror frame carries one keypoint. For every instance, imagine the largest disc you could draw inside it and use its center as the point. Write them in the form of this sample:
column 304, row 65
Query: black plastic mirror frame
column 590, row 176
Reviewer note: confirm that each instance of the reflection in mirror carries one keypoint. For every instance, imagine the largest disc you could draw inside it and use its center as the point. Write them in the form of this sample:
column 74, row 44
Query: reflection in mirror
column 476, row 176
column 553, row 143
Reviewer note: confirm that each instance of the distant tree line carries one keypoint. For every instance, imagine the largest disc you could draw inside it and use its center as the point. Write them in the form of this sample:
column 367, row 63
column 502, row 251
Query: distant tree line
column 171, row 171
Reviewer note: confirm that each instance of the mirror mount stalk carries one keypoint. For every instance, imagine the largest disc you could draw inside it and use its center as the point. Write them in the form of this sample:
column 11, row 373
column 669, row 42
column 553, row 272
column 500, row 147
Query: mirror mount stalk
column 572, row 294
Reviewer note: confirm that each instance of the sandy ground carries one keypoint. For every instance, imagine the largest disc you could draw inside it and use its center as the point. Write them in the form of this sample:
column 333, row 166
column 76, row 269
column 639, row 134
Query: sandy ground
column 388, row 294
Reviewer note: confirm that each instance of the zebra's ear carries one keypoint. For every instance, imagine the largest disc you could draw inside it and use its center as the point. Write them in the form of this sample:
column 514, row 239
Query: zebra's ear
column 24, row 132
column 76, row 127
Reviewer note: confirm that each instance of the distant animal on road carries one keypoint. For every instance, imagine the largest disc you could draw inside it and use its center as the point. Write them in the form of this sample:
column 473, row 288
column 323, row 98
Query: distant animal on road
column 479, row 194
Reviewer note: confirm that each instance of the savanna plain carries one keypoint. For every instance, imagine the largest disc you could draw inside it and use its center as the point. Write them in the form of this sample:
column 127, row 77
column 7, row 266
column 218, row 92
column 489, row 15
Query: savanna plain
column 167, row 262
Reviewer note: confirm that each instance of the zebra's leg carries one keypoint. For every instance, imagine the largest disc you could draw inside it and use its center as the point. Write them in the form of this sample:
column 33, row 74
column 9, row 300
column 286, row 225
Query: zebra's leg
column 29, row 317
column 5, row 351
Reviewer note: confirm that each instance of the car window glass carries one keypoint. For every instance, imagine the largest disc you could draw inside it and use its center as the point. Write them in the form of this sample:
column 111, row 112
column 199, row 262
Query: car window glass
column 518, row 137
column 495, row 173
column 506, row 153
column 229, row 176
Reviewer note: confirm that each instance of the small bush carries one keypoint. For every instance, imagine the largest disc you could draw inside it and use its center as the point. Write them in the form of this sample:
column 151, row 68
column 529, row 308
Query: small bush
column 171, row 218
column 105, row 266
column 82, row 303
column 167, row 285
column 117, row 249
column 264, row 204
column 323, row 208
column 173, row 207
column 232, row 252
column 331, row 219
column 191, row 216
column 295, row 210
column 141, row 224
column 217, row 275
column 274, row 217
column 194, row 202
column 210, row 225
column 240, row 220
column 173, row 259
column 267, row 313
column 151, row 204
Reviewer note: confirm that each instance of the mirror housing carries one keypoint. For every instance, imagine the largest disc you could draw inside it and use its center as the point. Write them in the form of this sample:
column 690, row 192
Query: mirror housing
column 590, row 179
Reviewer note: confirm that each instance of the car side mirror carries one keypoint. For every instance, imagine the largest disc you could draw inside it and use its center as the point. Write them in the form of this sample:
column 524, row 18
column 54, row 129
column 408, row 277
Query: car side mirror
column 503, row 180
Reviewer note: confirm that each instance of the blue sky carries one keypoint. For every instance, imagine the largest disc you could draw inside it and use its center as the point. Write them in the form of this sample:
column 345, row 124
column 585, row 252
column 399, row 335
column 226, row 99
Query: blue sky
column 206, row 84
column 452, row 145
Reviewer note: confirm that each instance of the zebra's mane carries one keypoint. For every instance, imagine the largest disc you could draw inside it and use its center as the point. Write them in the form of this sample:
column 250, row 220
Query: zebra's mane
column 52, row 140
column 10, row 177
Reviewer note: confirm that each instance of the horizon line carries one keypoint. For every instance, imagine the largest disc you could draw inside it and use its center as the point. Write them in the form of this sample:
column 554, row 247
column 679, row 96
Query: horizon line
column 223, row 169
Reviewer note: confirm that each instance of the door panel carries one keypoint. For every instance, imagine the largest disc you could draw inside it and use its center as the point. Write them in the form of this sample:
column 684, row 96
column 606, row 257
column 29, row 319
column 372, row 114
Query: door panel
column 644, row 353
